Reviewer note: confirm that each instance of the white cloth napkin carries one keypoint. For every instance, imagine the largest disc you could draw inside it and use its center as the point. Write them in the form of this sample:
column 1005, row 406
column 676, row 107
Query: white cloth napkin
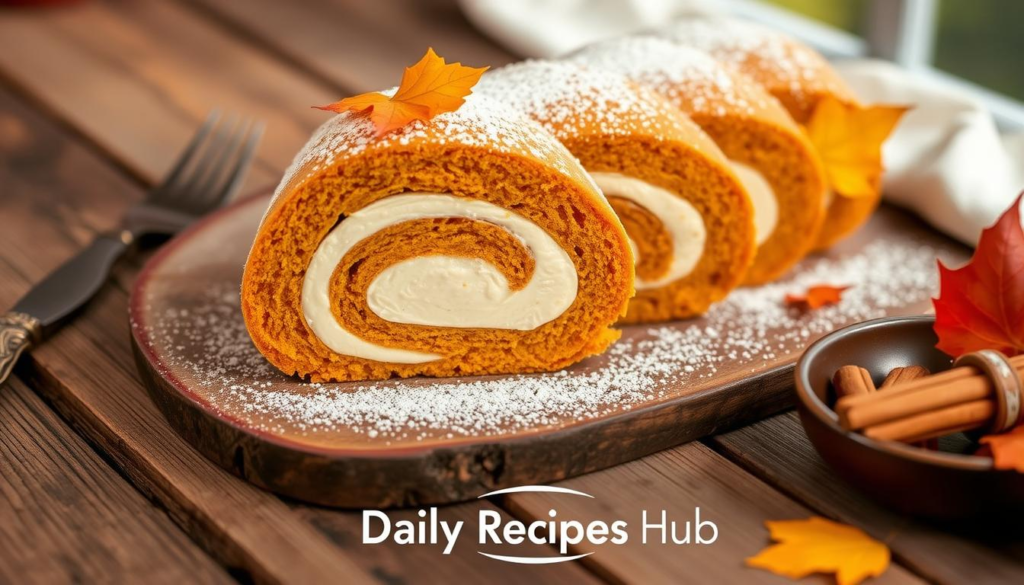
column 946, row 161
column 548, row 28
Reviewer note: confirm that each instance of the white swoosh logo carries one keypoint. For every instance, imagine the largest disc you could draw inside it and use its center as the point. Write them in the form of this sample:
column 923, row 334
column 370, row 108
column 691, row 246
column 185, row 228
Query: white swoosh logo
column 536, row 488
column 535, row 560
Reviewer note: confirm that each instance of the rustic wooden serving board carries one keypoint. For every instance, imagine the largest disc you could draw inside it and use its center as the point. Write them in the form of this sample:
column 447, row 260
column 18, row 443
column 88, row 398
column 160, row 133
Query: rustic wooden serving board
column 426, row 441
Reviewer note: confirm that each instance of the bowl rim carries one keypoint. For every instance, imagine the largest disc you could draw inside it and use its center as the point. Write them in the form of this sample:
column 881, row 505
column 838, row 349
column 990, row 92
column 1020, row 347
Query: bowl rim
column 817, row 407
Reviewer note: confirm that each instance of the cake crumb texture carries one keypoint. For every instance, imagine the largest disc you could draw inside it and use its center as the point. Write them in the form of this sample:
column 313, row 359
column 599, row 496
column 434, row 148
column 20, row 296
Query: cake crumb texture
column 480, row 152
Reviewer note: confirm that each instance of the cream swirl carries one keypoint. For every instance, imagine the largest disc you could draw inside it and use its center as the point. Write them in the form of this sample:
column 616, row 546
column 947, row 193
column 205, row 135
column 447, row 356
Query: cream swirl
column 762, row 199
column 435, row 290
column 682, row 221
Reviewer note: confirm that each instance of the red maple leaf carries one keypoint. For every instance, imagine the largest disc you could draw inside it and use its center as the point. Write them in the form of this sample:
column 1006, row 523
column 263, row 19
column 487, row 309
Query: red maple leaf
column 981, row 305
column 816, row 297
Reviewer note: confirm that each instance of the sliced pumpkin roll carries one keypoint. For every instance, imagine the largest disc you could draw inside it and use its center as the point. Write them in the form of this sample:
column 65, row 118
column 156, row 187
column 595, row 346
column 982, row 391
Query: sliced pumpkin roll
column 471, row 243
column 689, row 219
column 766, row 149
column 800, row 78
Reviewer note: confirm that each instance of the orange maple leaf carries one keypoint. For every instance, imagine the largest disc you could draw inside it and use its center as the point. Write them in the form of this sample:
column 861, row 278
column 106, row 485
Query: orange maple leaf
column 849, row 140
column 816, row 297
column 1007, row 449
column 817, row 545
column 981, row 305
column 428, row 88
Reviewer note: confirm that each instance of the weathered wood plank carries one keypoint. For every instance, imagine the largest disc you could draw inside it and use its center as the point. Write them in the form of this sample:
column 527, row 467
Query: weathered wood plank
column 676, row 481
column 359, row 46
column 138, row 77
column 777, row 450
column 66, row 516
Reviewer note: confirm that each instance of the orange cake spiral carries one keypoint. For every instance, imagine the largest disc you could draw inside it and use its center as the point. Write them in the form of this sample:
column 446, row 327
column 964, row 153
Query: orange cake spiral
column 472, row 243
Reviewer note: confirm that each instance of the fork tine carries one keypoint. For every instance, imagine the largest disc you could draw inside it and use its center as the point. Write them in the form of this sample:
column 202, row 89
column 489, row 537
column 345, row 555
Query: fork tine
column 213, row 169
column 185, row 194
column 236, row 176
column 202, row 188
column 190, row 150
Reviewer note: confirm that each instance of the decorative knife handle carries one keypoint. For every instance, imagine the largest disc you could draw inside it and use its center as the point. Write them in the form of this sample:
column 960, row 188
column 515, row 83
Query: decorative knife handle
column 18, row 332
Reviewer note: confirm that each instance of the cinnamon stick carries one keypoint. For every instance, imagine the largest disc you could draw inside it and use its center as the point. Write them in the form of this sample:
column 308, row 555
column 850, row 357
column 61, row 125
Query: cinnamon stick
column 935, row 423
column 899, row 402
column 903, row 375
column 852, row 381
column 941, row 379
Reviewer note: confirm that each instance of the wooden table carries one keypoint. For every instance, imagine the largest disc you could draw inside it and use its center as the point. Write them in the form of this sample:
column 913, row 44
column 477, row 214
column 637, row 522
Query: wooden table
column 96, row 99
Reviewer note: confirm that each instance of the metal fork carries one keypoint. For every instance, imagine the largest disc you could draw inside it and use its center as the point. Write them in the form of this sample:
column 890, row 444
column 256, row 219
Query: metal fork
column 208, row 173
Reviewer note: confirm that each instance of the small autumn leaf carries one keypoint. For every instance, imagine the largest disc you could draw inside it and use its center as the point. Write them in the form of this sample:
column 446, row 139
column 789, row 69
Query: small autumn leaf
column 817, row 545
column 816, row 297
column 981, row 305
column 428, row 88
column 849, row 140
column 1007, row 449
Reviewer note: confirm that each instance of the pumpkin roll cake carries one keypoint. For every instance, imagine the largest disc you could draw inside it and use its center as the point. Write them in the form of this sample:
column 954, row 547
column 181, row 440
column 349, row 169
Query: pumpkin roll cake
column 472, row 243
column 799, row 77
column 764, row 146
column 688, row 218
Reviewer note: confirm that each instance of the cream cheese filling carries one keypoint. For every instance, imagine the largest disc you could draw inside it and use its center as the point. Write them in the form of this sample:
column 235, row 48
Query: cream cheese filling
column 435, row 290
column 762, row 198
column 681, row 220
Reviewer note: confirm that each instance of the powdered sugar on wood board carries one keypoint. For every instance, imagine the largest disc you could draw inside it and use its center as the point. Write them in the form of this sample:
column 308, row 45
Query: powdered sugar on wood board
column 208, row 344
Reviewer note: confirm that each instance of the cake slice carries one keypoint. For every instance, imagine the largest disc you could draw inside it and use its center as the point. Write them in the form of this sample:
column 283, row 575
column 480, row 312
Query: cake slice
column 767, row 150
column 688, row 217
column 472, row 243
column 799, row 77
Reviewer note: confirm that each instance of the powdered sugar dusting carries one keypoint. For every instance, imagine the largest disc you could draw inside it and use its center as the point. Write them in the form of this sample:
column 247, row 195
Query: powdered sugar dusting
column 480, row 122
column 569, row 99
column 781, row 59
column 689, row 78
column 207, row 344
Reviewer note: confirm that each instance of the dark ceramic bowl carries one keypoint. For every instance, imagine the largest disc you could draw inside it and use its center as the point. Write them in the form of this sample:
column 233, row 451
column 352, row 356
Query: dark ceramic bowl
column 944, row 484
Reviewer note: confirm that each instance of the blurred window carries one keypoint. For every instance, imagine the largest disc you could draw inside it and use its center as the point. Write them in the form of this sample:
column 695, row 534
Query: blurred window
column 845, row 14
column 983, row 40
column 974, row 45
